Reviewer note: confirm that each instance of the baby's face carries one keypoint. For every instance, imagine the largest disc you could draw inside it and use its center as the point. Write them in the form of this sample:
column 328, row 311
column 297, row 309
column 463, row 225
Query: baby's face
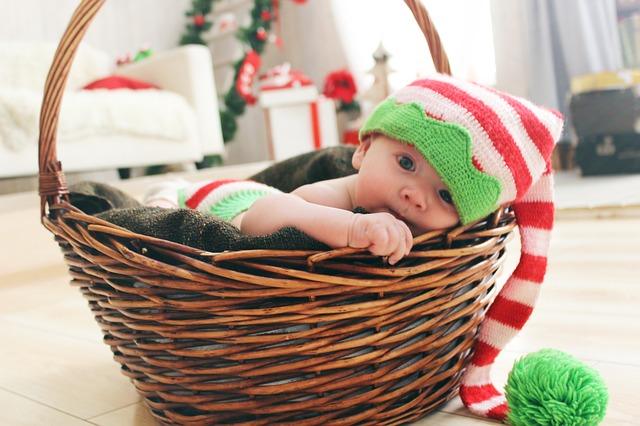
column 394, row 177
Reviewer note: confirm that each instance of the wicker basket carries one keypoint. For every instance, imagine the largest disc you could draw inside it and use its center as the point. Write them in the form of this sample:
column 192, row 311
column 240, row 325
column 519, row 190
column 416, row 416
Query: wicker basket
column 264, row 336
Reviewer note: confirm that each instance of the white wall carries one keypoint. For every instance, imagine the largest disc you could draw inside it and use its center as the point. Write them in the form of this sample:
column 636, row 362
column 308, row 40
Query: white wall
column 121, row 25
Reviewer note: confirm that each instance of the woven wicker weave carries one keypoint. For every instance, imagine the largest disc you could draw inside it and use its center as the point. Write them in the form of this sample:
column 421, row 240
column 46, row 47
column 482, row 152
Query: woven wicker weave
column 264, row 336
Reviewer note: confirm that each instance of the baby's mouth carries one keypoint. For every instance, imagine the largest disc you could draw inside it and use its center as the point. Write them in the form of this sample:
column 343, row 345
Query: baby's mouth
column 397, row 215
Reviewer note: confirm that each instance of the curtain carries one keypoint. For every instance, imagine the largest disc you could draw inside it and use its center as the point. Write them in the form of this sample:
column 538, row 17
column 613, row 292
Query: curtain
column 542, row 44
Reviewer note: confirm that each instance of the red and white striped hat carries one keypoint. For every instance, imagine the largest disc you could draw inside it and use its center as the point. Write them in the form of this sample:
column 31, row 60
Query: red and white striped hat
column 491, row 149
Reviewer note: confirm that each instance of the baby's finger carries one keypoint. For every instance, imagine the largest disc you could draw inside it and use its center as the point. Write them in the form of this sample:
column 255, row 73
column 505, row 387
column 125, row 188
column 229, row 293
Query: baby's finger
column 399, row 243
column 408, row 236
column 379, row 238
column 395, row 244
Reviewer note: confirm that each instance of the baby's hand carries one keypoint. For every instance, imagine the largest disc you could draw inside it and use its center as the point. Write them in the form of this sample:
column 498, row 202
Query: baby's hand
column 382, row 234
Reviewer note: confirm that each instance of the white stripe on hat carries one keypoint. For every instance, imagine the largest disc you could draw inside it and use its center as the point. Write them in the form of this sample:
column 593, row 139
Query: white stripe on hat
column 478, row 376
column 551, row 121
column 488, row 404
column 496, row 333
column 483, row 150
column 510, row 120
column 535, row 241
column 539, row 191
column 521, row 291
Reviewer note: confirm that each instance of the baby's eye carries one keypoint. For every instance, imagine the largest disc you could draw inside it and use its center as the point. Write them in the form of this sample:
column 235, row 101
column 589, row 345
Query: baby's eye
column 446, row 196
column 406, row 162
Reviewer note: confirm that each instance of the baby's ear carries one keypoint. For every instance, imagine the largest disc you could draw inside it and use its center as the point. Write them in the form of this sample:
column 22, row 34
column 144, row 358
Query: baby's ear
column 358, row 155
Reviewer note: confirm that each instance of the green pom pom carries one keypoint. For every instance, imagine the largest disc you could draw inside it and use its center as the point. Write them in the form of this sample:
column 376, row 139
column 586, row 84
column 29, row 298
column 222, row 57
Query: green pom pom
column 550, row 387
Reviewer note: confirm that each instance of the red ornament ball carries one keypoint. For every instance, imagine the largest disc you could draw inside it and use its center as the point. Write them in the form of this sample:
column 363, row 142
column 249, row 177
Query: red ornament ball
column 265, row 15
column 261, row 34
column 198, row 20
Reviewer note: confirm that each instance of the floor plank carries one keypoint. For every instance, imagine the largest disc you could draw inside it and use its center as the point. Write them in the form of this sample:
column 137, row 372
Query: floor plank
column 132, row 415
column 19, row 411
column 74, row 376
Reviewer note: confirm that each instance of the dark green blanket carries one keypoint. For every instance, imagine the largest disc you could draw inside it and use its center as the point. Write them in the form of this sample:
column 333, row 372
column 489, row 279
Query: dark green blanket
column 192, row 228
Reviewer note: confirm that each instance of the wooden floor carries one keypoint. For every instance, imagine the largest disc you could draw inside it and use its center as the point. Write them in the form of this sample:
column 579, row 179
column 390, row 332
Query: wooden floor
column 54, row 370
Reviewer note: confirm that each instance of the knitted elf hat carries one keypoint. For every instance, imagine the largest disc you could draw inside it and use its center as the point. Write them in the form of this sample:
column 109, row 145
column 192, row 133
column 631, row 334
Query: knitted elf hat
column 490, row 149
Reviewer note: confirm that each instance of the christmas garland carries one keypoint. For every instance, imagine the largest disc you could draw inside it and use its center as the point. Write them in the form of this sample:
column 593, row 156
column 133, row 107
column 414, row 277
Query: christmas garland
column 254, row 37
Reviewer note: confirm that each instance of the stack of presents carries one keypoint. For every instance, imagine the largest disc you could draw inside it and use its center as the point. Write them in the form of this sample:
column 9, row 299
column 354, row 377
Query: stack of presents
column 605, row 111
column 299, row 119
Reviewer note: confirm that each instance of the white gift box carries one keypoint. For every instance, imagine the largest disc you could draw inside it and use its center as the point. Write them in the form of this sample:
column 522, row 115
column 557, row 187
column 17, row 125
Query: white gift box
column 298, row 120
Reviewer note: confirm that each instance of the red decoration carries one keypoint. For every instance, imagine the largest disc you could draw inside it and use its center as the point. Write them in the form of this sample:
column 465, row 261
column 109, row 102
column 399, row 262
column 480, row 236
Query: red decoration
column 283, row 77
column 351, row 137
column 341, row 86
column 119, row 82
column 261, row 34
column 300, row 1
column 198, row 20
column 247, row 75
column 265, row 15
column 315, row 125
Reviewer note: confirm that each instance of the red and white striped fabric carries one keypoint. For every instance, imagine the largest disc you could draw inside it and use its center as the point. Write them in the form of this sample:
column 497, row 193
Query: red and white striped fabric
column 511, row 141
column 515, row 302
column 223, row 198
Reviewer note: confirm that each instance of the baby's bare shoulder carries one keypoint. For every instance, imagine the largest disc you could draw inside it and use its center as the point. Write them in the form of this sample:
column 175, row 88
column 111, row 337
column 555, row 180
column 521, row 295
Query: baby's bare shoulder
column 331, row 193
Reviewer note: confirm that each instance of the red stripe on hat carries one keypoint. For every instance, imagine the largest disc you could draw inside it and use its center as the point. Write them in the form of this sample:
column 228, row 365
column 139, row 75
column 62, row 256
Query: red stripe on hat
column 433, row 116
column 492, row 125
column 499, row 412
column 556, row 113
column 509, row 312
column 531, row 268
column 477, row 164
column 479, row 393
column 201, row 193
column 538, row 133
column 536, row 214
column 484, row 354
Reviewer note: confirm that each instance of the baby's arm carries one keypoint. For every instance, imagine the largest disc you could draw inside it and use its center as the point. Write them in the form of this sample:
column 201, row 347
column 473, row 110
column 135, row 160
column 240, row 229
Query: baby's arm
column 311, row 209
column 329, row 225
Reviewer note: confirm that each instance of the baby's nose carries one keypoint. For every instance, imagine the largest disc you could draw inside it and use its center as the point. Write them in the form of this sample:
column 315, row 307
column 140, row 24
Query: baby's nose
column 415, row 198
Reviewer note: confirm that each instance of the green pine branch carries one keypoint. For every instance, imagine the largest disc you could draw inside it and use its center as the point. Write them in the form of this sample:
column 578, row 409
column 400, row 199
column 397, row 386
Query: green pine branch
column 235, row 105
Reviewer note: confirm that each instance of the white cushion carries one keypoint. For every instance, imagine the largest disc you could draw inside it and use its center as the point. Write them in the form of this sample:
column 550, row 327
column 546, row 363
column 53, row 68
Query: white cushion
column 26, row 65
column 148, row 114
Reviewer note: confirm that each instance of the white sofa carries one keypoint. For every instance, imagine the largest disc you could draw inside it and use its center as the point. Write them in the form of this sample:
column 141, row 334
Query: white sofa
column 108, row 129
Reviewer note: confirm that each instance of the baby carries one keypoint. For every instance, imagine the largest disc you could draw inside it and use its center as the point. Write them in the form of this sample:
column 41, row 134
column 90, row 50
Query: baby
column 402, row 193
column 438, row 152
column 424, row 163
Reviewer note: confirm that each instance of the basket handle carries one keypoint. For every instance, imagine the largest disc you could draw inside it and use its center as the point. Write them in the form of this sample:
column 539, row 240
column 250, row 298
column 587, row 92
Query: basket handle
column 52, row 183
column 438, row 54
